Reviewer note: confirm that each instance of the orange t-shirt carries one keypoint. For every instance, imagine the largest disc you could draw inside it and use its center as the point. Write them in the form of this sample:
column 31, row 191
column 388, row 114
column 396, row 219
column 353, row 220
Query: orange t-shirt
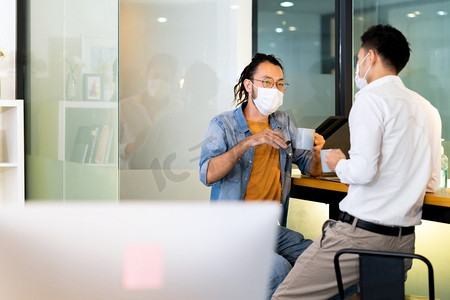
column 264, row 183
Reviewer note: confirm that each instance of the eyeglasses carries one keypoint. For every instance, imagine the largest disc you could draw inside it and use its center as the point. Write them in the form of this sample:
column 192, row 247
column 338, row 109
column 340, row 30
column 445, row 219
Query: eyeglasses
column 269, row 82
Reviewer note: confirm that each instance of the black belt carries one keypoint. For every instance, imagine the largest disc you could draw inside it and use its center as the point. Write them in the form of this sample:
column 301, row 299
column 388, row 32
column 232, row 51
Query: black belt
column 376, row 228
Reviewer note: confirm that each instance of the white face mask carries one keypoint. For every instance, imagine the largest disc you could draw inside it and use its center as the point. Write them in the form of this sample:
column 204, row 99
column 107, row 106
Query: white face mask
column 268, row 100
column 361, row 82
column 158, row 88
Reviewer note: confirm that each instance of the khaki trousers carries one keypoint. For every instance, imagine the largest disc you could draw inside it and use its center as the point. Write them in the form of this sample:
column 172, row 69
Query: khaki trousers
column 313, row 275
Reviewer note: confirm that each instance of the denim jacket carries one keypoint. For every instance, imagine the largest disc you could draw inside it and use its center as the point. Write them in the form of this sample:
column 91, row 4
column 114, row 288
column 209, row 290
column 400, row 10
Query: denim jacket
column 229, row 128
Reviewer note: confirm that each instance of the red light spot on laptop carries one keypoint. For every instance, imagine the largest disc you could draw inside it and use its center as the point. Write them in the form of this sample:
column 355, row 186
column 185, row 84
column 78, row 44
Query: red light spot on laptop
column 143, row 267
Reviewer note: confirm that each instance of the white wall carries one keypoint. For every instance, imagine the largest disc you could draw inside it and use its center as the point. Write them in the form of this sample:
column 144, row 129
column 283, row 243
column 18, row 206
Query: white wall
column 8, row 47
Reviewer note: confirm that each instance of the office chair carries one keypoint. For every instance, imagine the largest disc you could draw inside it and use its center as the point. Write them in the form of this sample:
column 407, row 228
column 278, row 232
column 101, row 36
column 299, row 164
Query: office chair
column 381, row 274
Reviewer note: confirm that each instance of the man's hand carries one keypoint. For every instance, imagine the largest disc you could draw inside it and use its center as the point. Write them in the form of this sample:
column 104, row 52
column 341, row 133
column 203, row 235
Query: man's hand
column 268, row 136
column 319, row 141
column 220, row 165
column 332, row 157
column 315, row 166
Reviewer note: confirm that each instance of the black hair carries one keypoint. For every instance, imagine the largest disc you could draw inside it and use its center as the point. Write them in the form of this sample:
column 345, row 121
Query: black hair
column 163, row 60
column 197, row 76
column 240, row 93
column 389, row 43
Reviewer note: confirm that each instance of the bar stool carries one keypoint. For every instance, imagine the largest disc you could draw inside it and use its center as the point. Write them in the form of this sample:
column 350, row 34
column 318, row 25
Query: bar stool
column 381, row 275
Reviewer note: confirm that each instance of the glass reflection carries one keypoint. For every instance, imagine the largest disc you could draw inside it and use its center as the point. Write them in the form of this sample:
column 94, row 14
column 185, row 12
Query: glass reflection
column 178, row 63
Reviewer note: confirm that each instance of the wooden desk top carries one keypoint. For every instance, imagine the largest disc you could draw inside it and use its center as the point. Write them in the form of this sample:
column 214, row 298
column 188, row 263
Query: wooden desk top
column 440, row 198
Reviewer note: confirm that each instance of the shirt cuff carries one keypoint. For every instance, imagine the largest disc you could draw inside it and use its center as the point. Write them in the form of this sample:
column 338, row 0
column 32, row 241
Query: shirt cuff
column 203, row 170
column 340, row 169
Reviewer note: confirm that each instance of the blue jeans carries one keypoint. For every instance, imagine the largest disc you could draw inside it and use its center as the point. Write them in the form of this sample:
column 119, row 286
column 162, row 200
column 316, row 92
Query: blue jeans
column 290, row 244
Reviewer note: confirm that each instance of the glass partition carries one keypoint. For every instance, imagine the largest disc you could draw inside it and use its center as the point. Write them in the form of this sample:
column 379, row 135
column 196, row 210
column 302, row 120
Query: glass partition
column 179, row 61
column 71, row 100
column 303, row 37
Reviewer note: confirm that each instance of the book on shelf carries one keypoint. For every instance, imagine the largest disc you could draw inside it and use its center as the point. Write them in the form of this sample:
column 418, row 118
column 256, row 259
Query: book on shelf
column 102, row 144
column 94, row 144
column 110, row 146
column 81, row 144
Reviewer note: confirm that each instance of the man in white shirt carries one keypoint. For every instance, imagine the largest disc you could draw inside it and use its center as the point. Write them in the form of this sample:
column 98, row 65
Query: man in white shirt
column 394, row 159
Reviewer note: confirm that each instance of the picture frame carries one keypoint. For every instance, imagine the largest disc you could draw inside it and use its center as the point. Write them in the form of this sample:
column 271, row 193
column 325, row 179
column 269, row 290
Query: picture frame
column 93, row 87
column 100, row 55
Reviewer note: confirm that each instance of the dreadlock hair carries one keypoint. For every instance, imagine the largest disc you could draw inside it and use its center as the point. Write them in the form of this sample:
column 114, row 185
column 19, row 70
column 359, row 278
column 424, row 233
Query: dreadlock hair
column 240, row 93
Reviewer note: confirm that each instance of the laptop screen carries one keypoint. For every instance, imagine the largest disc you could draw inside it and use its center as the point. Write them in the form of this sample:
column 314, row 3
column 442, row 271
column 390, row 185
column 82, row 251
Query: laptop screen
column 152, row 250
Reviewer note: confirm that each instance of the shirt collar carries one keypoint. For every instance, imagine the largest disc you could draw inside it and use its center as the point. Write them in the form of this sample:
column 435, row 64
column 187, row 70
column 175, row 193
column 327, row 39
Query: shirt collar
column 242, row 122
column 382, row 80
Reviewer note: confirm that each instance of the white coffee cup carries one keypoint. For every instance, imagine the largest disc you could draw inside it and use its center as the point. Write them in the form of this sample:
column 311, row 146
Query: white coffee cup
column 305, row 138
column 325, row 168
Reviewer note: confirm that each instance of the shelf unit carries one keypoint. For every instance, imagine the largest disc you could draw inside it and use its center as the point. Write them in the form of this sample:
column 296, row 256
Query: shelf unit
column 69, row 121
column 96, row 178
column 12, row 183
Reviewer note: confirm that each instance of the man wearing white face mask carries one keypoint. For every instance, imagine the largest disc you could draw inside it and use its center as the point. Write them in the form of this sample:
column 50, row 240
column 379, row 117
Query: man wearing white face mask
column 394, row 159
column 361, row 82
column 245, row 155
column 138, row 113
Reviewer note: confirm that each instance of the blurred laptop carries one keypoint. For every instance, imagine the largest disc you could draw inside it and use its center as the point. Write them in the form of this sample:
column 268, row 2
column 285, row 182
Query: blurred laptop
column 156, row 250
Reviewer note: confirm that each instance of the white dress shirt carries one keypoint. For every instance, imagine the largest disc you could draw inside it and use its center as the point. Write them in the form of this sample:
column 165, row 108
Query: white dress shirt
column 395, row 137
